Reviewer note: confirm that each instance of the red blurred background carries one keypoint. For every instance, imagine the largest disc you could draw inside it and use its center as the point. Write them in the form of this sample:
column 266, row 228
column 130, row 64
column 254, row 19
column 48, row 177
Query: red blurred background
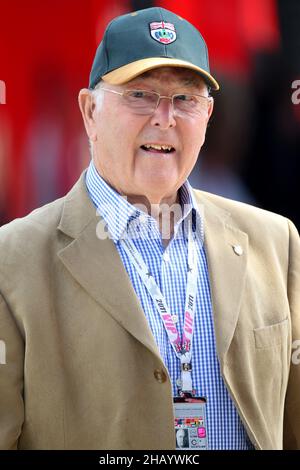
column 252, row 149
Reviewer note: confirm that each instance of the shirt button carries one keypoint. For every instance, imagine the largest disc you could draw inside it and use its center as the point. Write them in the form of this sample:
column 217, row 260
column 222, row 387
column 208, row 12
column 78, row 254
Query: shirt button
column 160, row 375
column 175, row 318
column 166, row 257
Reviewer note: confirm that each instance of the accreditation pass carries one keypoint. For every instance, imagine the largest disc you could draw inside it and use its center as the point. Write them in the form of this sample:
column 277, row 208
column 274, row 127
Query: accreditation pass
column 190, row 423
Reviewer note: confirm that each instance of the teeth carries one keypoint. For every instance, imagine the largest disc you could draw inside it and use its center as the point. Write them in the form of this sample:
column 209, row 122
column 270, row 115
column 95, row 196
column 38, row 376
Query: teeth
column 158, row 147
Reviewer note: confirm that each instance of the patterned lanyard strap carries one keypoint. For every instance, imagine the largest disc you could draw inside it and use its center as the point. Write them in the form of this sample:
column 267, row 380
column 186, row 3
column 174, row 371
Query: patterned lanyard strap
column 182, row 348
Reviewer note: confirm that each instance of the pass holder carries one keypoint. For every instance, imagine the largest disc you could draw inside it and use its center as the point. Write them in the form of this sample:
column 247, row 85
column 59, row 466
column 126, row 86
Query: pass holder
column 190, row 422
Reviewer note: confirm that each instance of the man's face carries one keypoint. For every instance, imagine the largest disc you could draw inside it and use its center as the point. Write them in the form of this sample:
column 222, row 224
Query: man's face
column 180, row 437
column 120, row 136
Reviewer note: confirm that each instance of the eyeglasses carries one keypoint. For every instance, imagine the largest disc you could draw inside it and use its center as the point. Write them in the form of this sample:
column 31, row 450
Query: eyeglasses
column 146, row 102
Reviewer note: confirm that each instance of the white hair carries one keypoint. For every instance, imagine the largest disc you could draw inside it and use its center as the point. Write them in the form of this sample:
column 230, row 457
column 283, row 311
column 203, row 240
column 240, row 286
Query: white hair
column 97, row 96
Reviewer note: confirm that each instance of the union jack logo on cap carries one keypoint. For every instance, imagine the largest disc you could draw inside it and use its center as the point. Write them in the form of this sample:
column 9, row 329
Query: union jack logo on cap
column 163, row 32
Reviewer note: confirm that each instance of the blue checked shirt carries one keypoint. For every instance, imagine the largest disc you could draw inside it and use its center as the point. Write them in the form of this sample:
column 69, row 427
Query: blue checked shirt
column 169, row 268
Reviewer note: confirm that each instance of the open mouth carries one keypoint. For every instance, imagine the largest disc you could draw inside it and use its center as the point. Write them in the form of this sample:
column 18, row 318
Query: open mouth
column 156, row 148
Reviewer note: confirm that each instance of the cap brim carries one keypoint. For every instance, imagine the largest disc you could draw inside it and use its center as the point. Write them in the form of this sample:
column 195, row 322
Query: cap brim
column 130, row 71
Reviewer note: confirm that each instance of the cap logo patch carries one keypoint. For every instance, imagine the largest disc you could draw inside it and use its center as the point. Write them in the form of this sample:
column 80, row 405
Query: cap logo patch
column 163, row 32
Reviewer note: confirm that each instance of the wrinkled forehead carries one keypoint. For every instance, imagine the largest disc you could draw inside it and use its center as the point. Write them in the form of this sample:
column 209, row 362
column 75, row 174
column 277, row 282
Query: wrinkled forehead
column 171, row 75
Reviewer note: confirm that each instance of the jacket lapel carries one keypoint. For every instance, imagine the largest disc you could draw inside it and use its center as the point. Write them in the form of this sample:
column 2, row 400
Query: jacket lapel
column 97, row 267
column 227, row 269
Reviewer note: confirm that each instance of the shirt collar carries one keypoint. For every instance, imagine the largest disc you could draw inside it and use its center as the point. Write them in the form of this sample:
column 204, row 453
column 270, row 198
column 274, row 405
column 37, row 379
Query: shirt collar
column 118, row 213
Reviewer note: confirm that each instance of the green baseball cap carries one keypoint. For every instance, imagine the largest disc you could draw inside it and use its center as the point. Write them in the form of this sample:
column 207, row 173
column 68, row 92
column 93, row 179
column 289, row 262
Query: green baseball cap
column 146, row 39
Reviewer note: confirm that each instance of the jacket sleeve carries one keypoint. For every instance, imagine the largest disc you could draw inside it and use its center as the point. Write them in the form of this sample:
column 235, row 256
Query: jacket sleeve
column 11, row 379
column 291, row 434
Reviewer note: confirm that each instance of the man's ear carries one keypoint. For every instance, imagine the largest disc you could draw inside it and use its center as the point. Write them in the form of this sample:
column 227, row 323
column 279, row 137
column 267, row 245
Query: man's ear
column 87, row 107
column 210, row 110
column 211, row 107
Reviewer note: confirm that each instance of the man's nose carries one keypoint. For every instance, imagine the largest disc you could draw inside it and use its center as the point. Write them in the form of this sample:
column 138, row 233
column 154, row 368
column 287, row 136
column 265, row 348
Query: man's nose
column 163, row 116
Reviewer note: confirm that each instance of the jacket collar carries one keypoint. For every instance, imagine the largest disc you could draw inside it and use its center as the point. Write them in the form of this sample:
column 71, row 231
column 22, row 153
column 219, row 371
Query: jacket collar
column 119, row 214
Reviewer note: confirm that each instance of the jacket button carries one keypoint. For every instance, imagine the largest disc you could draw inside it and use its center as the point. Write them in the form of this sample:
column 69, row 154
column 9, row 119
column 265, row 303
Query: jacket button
column 160, row 376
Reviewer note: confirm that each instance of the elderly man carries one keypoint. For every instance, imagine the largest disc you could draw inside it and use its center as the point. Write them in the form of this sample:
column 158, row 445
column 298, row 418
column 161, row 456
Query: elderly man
column 135, row 301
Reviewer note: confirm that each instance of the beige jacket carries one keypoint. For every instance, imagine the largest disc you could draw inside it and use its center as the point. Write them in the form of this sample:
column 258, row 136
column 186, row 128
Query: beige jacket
column 82, row 369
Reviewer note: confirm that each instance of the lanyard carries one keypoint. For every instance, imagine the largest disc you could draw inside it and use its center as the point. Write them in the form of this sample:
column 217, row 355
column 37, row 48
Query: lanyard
column 182, row 349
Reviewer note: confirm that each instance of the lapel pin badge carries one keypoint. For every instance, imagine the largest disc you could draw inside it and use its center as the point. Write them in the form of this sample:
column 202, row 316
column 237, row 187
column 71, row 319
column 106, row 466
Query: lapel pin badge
column 237, row 249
